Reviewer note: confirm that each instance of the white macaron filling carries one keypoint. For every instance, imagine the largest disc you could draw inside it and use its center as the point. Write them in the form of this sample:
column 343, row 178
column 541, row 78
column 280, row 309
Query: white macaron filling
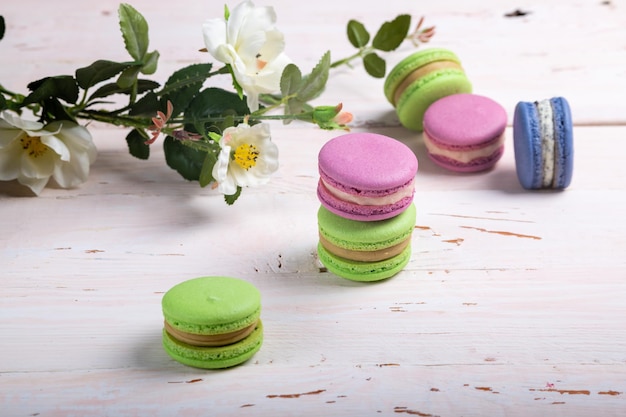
column 546, row 128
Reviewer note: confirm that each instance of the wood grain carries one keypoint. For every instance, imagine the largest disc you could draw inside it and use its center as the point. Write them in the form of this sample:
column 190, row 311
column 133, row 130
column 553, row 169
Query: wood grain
column 512, row 304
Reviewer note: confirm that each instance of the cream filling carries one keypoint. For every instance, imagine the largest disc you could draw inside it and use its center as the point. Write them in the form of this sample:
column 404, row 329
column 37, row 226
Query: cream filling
column 205, row 340
column 464, row 156
column 365, row 256
column 546, row 127
column 405, row 191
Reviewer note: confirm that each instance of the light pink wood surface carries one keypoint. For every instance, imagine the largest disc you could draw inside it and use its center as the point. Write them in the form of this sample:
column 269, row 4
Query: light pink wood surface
column 513, row 304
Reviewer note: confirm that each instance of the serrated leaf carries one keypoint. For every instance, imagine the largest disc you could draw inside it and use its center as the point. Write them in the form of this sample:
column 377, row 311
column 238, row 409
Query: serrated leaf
column 183, row 85
column 150, row 63
column 185, row 160
column 206, row 174
column 3, row 103
column 392, row 34
column 314, row 83
column 357, row 34
column 128, row 77
column 137, row 144
column 213, row 102
column 374, row 65
column 134, row 31
column 63, row 87
column 290, row 80
column 112, row 88
column 98, row 71
column 293, row 106
column 230, row 199
column 147, row 105
column 52, row 109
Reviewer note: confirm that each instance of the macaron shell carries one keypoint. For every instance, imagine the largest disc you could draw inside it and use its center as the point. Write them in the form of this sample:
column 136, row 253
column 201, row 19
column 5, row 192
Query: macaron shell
column 367, row 163
column 212, row 305
column 527, row 145
column 564, row 142
column 477, row 165
column 412, row 62
column 416, row 99
column 362, row 236
column 364, row 271
column 214, row 357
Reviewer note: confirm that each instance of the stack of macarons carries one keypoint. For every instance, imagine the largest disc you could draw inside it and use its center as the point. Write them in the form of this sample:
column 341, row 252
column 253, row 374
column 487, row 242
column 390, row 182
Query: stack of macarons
column 367, row 215
column 465, row 132
column 212, row 322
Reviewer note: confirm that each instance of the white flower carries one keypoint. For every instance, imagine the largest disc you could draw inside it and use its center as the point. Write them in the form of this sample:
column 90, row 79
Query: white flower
column 32, row 153
column 248, row 158
column 249, row 42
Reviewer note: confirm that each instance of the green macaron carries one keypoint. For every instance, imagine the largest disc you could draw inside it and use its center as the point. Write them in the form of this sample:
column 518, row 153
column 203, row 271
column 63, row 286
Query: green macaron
column 421, row 79
column 212, row 322
column 365, row 251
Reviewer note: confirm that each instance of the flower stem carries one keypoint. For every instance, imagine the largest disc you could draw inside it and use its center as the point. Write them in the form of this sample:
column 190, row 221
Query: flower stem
column 346, row 61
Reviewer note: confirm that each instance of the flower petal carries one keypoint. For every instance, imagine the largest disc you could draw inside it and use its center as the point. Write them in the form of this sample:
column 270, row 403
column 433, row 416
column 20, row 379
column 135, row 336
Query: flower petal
column 214, row 33
column 35, row 184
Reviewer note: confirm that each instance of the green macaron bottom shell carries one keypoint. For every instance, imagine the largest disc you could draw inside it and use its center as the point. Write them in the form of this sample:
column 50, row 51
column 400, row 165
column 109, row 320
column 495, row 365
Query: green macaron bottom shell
column 363, row 271
column 419, row 95
column 214, row 357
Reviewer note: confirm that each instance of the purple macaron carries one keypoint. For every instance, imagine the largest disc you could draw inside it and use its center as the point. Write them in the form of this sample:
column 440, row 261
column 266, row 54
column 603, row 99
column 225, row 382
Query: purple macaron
column 366, row 176
column 465, row 132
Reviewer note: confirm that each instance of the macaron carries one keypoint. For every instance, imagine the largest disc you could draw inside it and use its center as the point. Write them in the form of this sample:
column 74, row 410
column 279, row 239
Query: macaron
column 544, row 143
column 365, row 251
column 212, row 322
column 421, row 79
column 465, row 132
column 366, row 176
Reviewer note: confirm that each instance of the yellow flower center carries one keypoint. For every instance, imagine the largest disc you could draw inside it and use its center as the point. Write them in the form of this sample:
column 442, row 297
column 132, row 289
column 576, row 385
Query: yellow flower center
column 33, row 146
column 246, row 155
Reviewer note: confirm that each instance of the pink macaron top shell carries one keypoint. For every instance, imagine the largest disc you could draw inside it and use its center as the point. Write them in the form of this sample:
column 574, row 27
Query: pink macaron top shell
column 367, row 164
column 465, row 132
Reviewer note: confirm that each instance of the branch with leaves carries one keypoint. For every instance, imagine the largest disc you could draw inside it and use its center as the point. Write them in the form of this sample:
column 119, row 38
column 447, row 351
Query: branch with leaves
column 211, row 134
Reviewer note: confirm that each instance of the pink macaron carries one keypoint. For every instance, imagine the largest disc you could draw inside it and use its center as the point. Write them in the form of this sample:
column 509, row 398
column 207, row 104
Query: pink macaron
column 465, row 132
column 366, row 176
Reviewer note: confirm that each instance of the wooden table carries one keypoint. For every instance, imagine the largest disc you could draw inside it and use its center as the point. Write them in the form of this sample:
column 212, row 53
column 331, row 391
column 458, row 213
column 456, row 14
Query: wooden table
column 514, row 302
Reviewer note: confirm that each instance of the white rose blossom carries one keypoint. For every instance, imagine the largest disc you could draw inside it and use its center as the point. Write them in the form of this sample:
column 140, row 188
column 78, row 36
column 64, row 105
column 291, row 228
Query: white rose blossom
column 32, row 153
column 248, row 157
column 252, row 46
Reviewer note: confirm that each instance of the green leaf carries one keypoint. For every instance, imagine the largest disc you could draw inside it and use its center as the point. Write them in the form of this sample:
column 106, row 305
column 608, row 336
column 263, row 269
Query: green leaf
column 3, row 103
column 150, row 63
column 184, row 84
column 137, row 144
column 112, row 88
column 230, row 199
column 134, row 31
column 290, row 80
column 357, row 34
column 185, row 160
column 392, row 34
column 314, row 83
column 128, row 77
column 206, row 174
column 63, row 87
column 213, row 102
column 374, row 65
column 99, row 71
column 147, row 105
column 2, row 27
column 52, row 109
